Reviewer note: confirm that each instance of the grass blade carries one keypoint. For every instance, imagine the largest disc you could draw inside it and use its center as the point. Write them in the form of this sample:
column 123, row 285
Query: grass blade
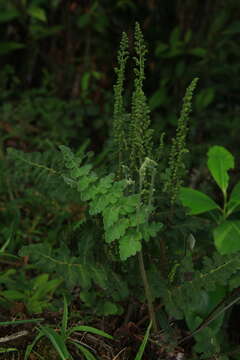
column 65, row 318
column 16, row 322
column 89, row 329
column 7, row 350
column 87, row 354
column 31, row 346
column 57, row 342
column 144, row 343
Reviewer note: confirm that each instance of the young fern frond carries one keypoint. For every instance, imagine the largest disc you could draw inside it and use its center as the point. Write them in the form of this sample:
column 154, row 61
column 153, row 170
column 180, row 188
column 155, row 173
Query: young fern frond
column 176, row 167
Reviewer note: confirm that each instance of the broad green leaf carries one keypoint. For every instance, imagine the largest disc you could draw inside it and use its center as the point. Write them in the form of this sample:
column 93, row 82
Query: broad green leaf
column 90, row 329
column 234, row 200
column 227, row 237
column 144, row 343
column 57, row 342
column 196, row 201
column 130, row 244
column 219, row 162
column 49, row 287
column 37, row 13
column 12, row 295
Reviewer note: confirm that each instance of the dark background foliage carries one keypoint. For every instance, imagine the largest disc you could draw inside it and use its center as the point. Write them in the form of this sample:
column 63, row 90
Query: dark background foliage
column 68, row 50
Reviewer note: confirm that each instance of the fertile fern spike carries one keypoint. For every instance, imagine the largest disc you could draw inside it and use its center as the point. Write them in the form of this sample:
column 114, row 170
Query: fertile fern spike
column 140, row 135
column 176, row 166
column 120, row 116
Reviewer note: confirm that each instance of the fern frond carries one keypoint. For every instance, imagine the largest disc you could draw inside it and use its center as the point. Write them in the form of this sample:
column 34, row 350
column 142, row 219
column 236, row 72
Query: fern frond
column 216, row 271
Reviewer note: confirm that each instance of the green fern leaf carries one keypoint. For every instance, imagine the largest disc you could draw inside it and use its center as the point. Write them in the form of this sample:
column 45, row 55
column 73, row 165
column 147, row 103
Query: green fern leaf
column 69, row 157
column 149, row 230
column 84, row 183
column 138, row 218
column 80, row 171
column 117, row 230
column 130, row 244
column 105, row 184
column 128, row 204
column 110, row 216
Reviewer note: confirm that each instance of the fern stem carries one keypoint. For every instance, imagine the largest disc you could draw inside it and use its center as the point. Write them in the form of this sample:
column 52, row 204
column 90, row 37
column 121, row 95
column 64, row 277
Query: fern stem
column 147, row 290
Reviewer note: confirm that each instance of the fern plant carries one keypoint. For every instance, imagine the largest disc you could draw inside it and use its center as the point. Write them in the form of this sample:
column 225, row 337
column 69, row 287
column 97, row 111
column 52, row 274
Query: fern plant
column 121, row 206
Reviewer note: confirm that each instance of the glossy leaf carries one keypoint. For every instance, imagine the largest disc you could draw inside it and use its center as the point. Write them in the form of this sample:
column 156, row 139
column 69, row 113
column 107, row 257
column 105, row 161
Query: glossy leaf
column 227, row 237
column 196, row 201
column 234, row 200
column 219, row 162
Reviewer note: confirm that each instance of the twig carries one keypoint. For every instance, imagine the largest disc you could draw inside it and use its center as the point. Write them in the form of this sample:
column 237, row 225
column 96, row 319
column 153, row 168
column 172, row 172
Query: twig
column 84, row 344
column 13, row 336
column 120, row 352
